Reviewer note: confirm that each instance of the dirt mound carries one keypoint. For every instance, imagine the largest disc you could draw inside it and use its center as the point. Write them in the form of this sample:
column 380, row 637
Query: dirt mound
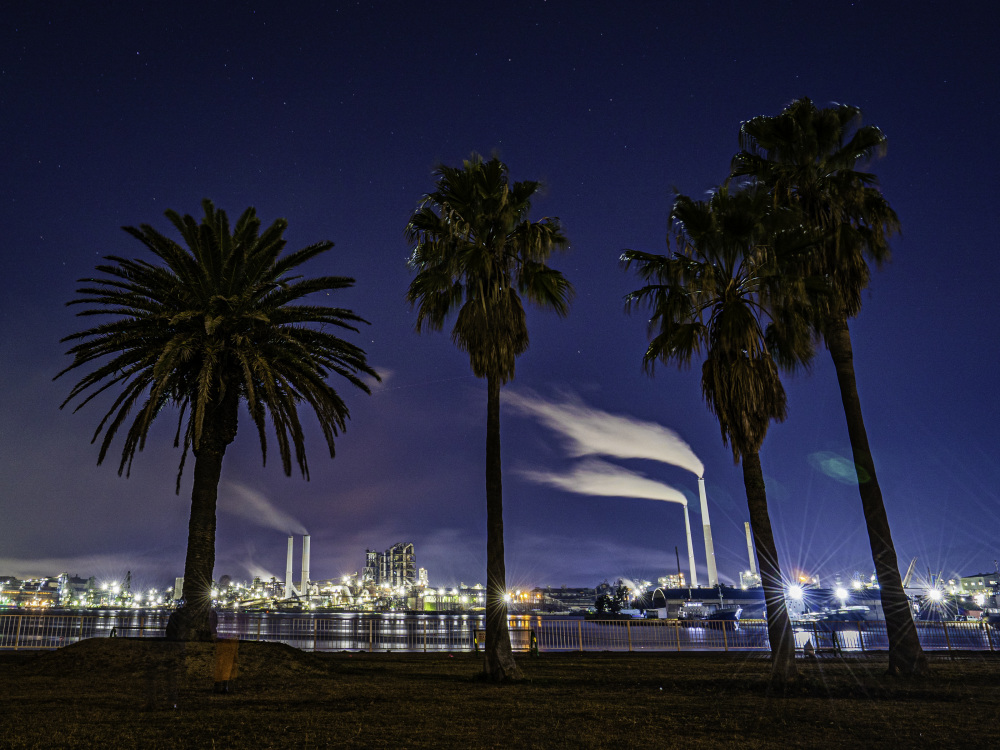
column 96, row 657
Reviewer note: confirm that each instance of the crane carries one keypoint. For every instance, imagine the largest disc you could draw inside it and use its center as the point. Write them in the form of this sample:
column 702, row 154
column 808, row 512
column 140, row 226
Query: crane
column 909, row 572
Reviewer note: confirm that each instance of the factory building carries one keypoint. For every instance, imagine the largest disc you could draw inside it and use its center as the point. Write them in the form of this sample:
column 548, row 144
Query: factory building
column 979, row 583
column 461, row 599
column 563, row 599
column 394, row 567
column 703, row 602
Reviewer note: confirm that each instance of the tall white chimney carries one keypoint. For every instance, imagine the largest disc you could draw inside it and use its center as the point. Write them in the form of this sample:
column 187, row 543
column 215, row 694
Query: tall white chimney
column 691, row 565
column 305, row 565
column 713, row 575
column 753, row 563
column 288, row 568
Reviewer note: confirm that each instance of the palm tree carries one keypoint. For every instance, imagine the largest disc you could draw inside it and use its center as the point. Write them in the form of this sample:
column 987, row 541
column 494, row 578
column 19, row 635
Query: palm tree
column 807, row 158
column 476, row 253
column 202, row 328
column 710, row 294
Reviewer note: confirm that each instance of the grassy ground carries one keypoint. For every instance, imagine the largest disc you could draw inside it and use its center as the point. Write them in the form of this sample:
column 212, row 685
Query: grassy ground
column 123, row 693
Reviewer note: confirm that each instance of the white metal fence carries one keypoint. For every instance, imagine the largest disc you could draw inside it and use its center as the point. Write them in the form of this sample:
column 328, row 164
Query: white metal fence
column 430, row 633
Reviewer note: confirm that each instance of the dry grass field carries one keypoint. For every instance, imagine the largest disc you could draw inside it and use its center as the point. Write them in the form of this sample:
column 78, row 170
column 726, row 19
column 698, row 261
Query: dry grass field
column 124, row 693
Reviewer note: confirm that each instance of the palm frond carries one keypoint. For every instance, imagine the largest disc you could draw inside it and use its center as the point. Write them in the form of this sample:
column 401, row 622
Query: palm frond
column 475, row 253
column 711, row 297
column 214, row 320
column 809, row 159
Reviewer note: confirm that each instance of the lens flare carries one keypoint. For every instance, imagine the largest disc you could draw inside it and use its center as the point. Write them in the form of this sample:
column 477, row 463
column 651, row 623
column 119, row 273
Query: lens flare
column 838, row 467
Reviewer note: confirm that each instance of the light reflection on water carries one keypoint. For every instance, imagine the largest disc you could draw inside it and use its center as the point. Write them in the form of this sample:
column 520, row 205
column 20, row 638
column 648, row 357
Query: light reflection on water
column 351, row 631
column 433, row 632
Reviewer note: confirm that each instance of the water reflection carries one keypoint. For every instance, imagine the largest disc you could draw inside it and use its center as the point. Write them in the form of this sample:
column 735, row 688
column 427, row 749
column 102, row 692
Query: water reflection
column 432, row 632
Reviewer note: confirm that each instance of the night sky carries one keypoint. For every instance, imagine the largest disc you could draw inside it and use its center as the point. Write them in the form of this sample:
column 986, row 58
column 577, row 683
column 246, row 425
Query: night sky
column 334, row 118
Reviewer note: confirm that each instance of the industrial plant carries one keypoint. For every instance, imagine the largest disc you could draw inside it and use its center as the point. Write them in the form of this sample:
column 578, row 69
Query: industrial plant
column 390, row 581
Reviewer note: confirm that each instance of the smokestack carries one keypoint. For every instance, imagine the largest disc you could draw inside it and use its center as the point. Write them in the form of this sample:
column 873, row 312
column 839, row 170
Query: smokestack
column 288, row 568
column 713, row 575
column 691, row 566
column 305, row 565
column 753, row 564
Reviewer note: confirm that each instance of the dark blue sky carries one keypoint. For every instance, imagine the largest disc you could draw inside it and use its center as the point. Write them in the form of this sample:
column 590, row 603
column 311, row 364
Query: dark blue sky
column 334, row 117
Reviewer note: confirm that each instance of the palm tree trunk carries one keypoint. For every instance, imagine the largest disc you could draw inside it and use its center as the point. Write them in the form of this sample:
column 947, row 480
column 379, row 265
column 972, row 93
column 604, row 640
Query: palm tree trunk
column 905, row 653
column 499, row 664
column 779, row 628
column 195, row 619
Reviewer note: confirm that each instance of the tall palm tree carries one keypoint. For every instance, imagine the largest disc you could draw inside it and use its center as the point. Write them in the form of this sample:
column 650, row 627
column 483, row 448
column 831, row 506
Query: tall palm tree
column 710, row 295
column 808, row 159
column 476, row 254
column 202, row 328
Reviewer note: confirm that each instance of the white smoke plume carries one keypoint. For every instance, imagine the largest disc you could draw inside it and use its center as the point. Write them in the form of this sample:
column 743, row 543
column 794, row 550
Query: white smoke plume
column 239, row 500
column 256, row 571
column 591, row 432
column 596, row 477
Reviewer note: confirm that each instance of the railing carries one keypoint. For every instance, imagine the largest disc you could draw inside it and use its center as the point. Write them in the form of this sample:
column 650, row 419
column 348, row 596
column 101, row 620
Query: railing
column 430, row 633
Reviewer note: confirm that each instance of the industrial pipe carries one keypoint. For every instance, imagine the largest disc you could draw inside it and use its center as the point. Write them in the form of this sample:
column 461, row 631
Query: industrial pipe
column 753, row 563
column 713, row 575
column 288, row 568
column 305, row 565
column 691, row 565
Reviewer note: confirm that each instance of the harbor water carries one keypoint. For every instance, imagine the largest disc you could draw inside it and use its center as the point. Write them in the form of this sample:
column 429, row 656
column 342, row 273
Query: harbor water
column 444, row 632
